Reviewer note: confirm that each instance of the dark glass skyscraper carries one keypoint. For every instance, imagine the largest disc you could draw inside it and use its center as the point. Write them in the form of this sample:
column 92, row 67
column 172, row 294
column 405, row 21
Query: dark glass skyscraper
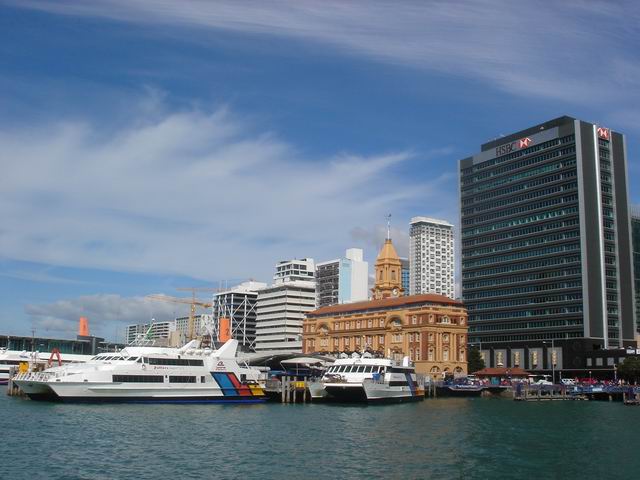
column 635, row 238
column 546, row 245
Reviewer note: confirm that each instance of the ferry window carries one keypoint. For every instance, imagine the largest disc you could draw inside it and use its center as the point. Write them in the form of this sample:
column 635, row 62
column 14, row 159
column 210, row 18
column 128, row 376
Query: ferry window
column 202, row 379
column 361, row 369
column 140, row 360
column 138, row 378
column 181, row 379
column 133, row 359
column 342, row 368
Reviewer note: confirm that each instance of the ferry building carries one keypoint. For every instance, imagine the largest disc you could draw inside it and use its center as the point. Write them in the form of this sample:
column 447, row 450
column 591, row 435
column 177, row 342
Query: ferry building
column 430, row 329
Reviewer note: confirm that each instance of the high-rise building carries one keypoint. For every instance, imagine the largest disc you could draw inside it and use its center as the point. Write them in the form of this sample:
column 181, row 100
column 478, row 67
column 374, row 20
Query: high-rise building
column 343, row 280
column 546, row 245
column 431, row 256
column 239, row 305
column 149, row 331
column 635, row 235
column 405, row 274
column 281, row 307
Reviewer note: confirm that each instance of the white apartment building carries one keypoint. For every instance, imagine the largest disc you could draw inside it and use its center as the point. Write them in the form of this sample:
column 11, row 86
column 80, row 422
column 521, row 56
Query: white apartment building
column 431, row 260
column 150, row 331
column 343, row 280
column 281, row 308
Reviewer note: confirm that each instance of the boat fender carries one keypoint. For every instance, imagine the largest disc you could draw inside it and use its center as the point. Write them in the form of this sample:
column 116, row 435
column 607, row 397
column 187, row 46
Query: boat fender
column 144, row 367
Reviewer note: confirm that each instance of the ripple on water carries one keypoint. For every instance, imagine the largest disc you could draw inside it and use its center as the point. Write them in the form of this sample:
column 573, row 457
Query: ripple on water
column 443, row 438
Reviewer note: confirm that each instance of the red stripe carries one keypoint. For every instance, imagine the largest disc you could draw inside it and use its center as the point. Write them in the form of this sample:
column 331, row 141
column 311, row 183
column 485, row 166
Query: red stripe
column 243, row 390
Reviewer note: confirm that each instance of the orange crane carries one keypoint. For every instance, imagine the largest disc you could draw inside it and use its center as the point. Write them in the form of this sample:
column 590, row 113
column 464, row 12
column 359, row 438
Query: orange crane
column 193, row 302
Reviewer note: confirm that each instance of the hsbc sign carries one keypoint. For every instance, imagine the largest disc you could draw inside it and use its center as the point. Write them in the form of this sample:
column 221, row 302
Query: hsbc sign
column 513, row 146
column 604, row 133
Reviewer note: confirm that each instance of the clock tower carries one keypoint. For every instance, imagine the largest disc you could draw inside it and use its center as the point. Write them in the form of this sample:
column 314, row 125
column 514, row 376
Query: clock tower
column 388, row 272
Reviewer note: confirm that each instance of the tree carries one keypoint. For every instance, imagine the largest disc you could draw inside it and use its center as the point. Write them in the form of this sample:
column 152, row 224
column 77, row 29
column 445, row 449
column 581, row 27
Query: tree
column 475, row 361
column 629, row 369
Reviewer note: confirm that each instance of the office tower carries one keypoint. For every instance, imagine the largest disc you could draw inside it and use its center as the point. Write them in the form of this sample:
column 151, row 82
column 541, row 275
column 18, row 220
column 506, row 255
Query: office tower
column 431, row 257
column 281, row 307
column 343, row 280
column 546, row 245
column 635, row 236
column 239, row 305
column 405, row 275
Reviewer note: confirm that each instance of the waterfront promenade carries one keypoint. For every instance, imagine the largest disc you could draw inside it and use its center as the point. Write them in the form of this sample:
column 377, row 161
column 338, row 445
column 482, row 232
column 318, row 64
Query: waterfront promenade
column 440, row 438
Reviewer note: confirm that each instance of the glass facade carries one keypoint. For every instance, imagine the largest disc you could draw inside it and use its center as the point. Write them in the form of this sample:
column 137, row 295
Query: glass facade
column 540, row 222
column 635, row 237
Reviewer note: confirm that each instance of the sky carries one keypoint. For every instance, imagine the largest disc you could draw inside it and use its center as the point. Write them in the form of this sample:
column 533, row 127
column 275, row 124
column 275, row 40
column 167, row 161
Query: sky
column 151, row 145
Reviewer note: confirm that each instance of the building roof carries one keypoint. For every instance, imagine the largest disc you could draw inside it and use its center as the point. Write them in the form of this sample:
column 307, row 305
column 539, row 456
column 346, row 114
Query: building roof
column 388, row 253
column 383, row 303
column 435, row 221
column 501, row 372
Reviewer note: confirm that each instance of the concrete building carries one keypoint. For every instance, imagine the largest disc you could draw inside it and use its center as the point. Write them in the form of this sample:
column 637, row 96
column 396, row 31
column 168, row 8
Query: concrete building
column 635, row 235
column 343, row 280
column 431, row 257
column 239, row 305
column 151, row 331
column 280, row 308
column 546, row 246
column 430, row 329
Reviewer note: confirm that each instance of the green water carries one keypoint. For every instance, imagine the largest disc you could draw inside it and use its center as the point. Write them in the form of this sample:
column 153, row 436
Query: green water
column 443, row 438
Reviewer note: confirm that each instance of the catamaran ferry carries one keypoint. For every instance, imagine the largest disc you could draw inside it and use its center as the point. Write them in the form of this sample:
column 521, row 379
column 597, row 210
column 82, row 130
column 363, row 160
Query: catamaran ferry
column 367, row 379
column 150, row 374
column 15, row 358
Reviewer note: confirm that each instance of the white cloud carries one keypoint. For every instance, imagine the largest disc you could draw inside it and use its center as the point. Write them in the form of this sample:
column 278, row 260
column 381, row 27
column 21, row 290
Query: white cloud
column 107, row 313
column 570, row 51
column 191, row 193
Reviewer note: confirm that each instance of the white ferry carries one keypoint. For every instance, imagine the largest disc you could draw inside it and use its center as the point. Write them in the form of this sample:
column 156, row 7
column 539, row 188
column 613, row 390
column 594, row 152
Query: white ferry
column 150, row 374
column 367, row 379
column 14, row 358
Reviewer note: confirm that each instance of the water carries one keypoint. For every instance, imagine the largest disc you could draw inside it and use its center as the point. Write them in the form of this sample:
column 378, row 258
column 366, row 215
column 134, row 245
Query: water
column 443, row 438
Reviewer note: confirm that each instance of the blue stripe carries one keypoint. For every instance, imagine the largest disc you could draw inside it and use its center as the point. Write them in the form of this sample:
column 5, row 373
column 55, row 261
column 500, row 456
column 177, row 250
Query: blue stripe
column 412, row 387
column 225, row 383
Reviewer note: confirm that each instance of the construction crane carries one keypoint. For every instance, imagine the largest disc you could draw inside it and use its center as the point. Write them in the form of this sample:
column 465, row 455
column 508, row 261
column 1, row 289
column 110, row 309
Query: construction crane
column 193, row 302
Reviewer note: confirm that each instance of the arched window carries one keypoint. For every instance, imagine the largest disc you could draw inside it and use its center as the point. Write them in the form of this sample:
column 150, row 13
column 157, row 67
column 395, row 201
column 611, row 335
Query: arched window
column 380, row 276
column 393, row 274
column 445, row 355
column 430, row 355
column 435, row 369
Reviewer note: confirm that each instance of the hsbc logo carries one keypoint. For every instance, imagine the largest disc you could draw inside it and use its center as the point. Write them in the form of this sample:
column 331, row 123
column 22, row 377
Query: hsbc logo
column 510, row 147
column 604, row 133
column 525, row 142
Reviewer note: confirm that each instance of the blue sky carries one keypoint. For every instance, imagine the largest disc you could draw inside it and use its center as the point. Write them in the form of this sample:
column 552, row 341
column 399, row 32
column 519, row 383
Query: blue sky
column 148, row 145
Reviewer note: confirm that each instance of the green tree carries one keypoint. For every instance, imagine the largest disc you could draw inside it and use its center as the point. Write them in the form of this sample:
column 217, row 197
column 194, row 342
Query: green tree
column 629, row 369
column 475, row 362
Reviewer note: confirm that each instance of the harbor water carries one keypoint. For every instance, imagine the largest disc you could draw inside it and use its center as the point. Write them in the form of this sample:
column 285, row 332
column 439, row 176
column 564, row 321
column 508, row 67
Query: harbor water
column 440, row 438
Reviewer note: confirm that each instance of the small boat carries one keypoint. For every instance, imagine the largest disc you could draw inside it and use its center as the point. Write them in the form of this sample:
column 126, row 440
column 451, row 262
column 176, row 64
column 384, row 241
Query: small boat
column 459, row 390
column 141, row 374
column 369, row 380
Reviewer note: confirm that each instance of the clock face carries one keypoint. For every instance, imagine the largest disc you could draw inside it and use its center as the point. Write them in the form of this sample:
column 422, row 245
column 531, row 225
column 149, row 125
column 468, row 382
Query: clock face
column 395, row 292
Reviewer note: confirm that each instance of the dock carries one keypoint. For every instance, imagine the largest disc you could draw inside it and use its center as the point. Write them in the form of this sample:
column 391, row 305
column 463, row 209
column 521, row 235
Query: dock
column 288, row 389
column 541, row 393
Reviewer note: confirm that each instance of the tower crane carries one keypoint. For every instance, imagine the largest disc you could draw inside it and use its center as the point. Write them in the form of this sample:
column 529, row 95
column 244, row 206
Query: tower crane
column 193, row 302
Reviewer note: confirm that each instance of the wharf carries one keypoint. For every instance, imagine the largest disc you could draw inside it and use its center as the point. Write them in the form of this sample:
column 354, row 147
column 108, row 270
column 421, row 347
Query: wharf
column 630, row 395
column 288, row 389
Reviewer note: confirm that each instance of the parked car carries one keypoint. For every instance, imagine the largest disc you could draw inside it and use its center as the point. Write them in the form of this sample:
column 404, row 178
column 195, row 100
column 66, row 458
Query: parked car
column 542, row 381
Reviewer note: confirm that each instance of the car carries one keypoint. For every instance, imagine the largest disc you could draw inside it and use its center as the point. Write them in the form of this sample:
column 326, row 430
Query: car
column 567, row 381
column 542, row 381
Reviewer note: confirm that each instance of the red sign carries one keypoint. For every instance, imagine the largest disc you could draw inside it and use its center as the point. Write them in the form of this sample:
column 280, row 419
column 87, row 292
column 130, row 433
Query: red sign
column 525, row 142
column 604, row 133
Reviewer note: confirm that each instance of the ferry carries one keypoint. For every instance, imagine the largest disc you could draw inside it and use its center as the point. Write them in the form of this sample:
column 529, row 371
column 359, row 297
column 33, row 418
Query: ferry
column 142, row 374
column 15, row 358
column 370, row 380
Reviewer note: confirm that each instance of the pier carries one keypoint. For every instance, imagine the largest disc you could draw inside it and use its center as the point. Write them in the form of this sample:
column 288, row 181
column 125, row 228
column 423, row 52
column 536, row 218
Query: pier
column 288, row 389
